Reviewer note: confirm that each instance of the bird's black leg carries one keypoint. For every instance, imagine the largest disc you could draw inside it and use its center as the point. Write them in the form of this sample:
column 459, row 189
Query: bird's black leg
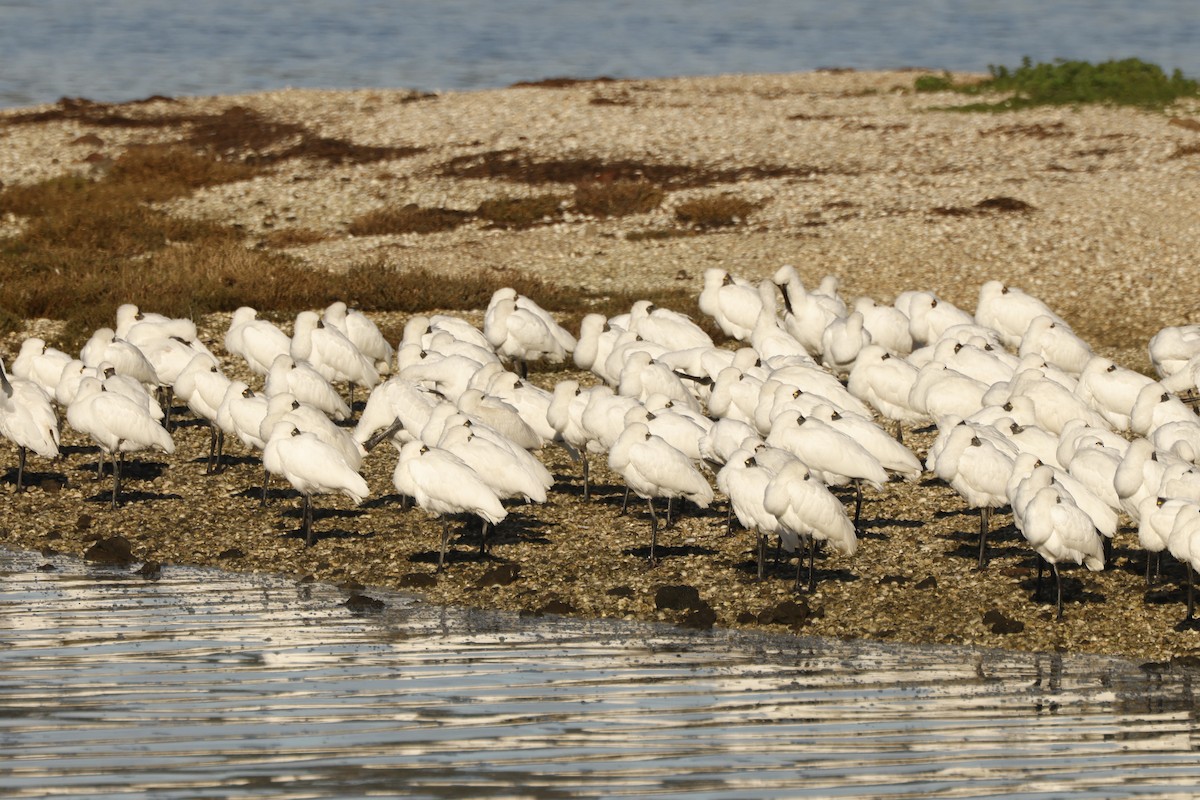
column 857, row 504
column 212, row 448
column 812, row 558
column 445, row 542
column 762, row 553
column 653, row 531
column 984, row 514
column 118, row 462
column 1058, row 586
column 20, row 468
column 586, row 470
column 1189, row 623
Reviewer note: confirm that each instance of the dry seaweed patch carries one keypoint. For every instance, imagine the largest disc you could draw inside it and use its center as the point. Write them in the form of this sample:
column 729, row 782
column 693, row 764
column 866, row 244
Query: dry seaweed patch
column 236, row 133
column 720, row 211
column 617, row 198
column 409, row 218
column 519, row 213
column 1034, row 130
column 988, row 205
column 86, row 246
column 284, row 238
column 519, row 167
column 562, row 82
column 1185, row 150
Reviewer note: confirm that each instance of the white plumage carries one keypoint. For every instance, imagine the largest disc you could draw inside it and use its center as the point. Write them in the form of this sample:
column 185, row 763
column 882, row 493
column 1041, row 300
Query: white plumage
column 330, row 352
column 1009, row 311
column 117, row 424
column 732, row 303
column 27, row 419
column 979, row 471
column 443, row 484
column 41, row 364
column 362, row 333
column 652, row 468
column 806, row 508
column 1059, row 531
column 311, row 467
column 257, row 341
column 287, row 375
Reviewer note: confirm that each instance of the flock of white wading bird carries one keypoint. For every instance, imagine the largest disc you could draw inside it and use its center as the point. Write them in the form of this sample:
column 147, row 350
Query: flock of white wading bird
column 1027, row 416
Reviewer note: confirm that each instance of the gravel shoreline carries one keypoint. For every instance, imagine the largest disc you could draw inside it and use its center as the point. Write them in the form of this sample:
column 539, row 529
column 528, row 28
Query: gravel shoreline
column 879, row 190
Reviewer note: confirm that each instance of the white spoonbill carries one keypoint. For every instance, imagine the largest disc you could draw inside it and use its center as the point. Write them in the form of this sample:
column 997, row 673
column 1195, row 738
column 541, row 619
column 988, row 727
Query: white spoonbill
column 311, row 467
column 258, row 341
column 805, row 507
column 837, row 457
column 1008, row 311
column 1056, row 343
column 888, row 326
column 1173, row 347
column 125, row 357
column 652, row 468
column 885, row 382
column 1060, row 531
column 744, row 481
column 521, row 330
column 442, row 484
column 733, row 303
column 41, row 364
column 979, row 471
column 1111, row 389
column 673, row 330
column 841, row 342
column 330, row 352
column 201, row 385
column 27, row 419
column 807, row 313
column 287, row 375
column 362, row 332
column 396, row 400
column 117, row 424
column 1184, row 544
column 1156, row 520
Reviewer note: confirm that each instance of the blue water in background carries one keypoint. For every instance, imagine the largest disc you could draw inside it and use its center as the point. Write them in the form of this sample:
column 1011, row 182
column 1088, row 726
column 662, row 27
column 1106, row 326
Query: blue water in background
column 127, row 49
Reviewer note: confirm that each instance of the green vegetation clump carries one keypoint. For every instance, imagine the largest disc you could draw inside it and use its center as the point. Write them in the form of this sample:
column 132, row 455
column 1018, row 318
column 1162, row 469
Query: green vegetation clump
column 1128, row 82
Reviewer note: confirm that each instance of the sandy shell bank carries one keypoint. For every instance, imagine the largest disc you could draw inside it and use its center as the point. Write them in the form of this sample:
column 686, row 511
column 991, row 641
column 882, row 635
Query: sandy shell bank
column 855, row 176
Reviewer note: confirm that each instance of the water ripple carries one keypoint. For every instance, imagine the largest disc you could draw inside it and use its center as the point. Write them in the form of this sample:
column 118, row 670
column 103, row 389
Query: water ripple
column 210, row 685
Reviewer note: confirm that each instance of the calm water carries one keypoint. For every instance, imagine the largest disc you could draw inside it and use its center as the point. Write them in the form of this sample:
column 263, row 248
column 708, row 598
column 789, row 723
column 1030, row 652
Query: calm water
column 126, row 49
column 211, row 685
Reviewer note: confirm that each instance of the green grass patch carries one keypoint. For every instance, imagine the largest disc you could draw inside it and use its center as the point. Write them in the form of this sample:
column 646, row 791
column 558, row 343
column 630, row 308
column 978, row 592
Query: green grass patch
column 1127, row 82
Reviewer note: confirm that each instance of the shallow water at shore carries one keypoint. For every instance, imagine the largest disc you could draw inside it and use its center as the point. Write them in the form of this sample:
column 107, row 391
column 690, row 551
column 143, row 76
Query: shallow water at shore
column 128, row 49
column 208, row 684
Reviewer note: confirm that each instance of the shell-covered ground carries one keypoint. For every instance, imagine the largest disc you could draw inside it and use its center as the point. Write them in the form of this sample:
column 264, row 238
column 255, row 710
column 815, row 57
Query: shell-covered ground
column 850, row 173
